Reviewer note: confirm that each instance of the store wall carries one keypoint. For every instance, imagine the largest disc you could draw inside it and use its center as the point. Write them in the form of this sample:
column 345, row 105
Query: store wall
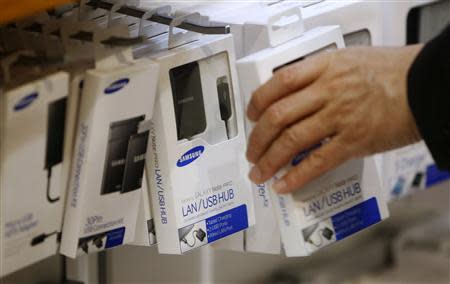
column 48, row 270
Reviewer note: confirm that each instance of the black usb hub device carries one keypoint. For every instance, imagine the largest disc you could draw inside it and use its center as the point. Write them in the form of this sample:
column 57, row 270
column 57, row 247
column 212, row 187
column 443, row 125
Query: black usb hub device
column 188, row 102
column 56, row 121
column 200, row 234
column 327, row 233
column 135, row 162
column 226, row 111
column 116, row 153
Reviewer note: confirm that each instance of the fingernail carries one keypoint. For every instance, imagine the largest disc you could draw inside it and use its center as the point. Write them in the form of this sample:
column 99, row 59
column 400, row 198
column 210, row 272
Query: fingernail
column 279, row 186
column 255, row 174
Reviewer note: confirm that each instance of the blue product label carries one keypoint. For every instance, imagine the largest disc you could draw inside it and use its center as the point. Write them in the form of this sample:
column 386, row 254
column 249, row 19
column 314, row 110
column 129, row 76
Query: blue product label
column 356, row 218
column 115, row 237
column 25, row 101
column 116, row 86
column 435, row 175
column 226, row 223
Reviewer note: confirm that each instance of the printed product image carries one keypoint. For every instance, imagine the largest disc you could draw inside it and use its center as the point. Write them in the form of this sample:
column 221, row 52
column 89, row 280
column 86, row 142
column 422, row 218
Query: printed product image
column 99, row 242
column 55, row 139
column 135, row 162
column 188, row 100
column 404, row 171
column 319, row 235
column 117, row 149
column 192, row 236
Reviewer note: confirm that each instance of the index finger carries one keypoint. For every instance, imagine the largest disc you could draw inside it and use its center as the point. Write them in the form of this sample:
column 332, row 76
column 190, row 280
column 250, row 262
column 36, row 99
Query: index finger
column 284, row 82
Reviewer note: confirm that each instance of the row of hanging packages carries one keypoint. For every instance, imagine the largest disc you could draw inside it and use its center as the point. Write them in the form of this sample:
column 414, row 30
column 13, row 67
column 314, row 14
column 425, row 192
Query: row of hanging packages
column 121, row 125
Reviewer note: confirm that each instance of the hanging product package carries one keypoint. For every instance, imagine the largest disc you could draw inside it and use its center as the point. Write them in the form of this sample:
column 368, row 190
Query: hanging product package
column 331, row 208
column 196, row 167
column 145, row 226
column 109, row 156
column 409, row 170
column 280, row 27
column 403, row 170
column 36, row 118
column 328, row 209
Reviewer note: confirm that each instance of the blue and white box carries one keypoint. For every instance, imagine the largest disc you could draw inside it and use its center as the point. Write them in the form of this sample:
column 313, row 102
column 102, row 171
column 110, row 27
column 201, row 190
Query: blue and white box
column 36, row 121
column 331, row 208
column 107, row 171
column 197, row 171
column 255, row 70
column 404, row 170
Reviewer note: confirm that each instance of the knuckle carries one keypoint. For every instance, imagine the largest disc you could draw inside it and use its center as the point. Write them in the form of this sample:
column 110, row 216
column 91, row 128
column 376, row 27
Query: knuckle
column 286, row 77
column 267, row 166
column 293, row 179
column 334, row 86
column 289, row 138
column 275, row 116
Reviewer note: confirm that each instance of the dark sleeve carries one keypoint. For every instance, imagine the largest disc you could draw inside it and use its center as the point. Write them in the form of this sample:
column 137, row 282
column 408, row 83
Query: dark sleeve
column 429, row 96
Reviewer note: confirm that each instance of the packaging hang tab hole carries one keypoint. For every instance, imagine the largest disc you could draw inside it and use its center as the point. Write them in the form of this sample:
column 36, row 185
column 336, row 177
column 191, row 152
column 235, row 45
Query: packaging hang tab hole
column 267, row 26
column 109, row 155
column 318, row 227
column 36, row 120
column 275, row 25
column 196, row 170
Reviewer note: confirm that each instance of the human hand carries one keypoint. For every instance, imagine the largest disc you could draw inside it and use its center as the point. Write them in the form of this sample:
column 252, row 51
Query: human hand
column 356, row 98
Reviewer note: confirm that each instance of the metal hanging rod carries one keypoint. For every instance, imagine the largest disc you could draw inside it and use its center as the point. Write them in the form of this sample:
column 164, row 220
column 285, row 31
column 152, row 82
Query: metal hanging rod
column 161, row 19
column 88, row 36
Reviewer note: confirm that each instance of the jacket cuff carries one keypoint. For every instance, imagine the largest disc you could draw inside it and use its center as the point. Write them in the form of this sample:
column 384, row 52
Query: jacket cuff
column 428, row 86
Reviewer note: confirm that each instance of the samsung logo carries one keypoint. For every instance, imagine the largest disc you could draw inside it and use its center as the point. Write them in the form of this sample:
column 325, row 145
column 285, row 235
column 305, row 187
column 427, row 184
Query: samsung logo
column 116, row 86
column 25, row 101
column 190, row 156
